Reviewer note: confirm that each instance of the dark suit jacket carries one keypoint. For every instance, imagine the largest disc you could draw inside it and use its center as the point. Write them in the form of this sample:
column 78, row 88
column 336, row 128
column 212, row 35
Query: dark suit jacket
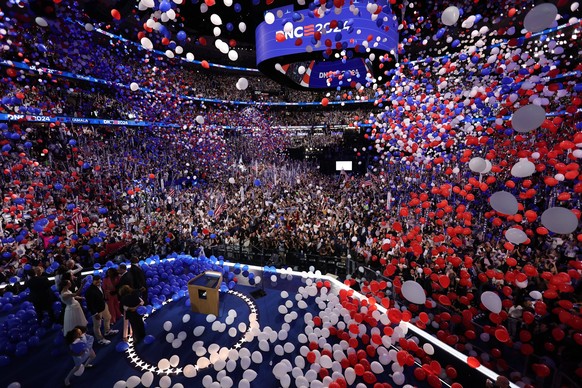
column 95, row 299
column 125, row 279
column 138, row 276
column 40, row 290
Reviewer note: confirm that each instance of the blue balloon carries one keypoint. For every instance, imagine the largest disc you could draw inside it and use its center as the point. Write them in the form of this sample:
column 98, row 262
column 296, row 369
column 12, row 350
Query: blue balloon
column 149, row 339
column 181, row 36
column 237, row 8
column 78, row 347
column 257, row 182
column 122, row 346
column 165, row 6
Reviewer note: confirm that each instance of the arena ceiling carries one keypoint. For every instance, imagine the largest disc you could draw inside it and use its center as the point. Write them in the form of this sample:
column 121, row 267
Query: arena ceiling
column 420, row 30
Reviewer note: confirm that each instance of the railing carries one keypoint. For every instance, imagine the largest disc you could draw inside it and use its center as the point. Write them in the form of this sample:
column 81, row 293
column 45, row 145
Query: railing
column 298, row 260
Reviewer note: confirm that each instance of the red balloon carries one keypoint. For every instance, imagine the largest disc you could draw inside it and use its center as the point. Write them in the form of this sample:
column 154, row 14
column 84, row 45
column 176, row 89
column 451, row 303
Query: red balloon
column 473, row 362
column 369, row 377
column 420, row 374
column 115, row 14
column 541, row 370
column 502, row 335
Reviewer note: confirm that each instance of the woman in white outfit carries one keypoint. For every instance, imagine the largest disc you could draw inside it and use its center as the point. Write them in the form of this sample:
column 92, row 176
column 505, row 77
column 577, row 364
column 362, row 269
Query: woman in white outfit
column 74, row 314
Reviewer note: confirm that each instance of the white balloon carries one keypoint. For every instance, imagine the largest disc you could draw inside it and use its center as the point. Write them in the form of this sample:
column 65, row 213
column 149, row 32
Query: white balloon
column 325, row 362
column 350, row 375
column 491, row 301
column 242, row 27
column 215, row 19
column 147, row 379
column 164, row 364
column 228, row 3
column 398, row 378
column 232, row 55
column 134, row 86
column 174, row 361
column 413, row 292
column 199, row 330
column 516, row 236
column 245, row 362
column 269, row 18
column 249, row 375
column 133, row 381
column 376, row 367
column 528, row 118
column 477, row 164
column 242, row 84
column 428, row 349
column 203, row 8
column 559, row 220
column 190, row 371
column 488, row 167
column 146, row 43
column 165, row 382
column 89, row 27
column 450, row 16
column 503, row 202
column 202, row 363
column 257, row 357
column 186, row 318
column 523, row 168
column 189, row 57
column 41, row 22
column 540, row 17
column 200, row 120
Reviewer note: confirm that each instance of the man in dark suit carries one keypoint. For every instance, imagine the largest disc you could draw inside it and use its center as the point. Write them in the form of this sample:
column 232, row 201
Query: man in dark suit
column 139, row 279
column 125, row 277
column 99, row 311
column 41, row 295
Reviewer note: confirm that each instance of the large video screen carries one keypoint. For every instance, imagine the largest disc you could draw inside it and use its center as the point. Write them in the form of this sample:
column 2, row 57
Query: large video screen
column 343, row 165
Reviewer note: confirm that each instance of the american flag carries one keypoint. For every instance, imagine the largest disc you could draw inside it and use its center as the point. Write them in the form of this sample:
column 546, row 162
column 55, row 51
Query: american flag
column 171, row 192
column 77, row 219
column 219, row 210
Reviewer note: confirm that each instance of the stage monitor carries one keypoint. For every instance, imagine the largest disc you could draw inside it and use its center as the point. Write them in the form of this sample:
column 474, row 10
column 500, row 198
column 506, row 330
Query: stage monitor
column 343, row 165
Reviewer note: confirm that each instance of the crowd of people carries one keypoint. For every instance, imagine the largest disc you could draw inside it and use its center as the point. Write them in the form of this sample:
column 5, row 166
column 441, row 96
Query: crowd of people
column 92, row 194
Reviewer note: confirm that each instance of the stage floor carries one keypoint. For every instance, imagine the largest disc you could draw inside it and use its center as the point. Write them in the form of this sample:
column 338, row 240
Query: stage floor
column 267, row 341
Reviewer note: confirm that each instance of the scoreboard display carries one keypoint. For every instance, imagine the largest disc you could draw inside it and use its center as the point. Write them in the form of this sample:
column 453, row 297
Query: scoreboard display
column 337, row 47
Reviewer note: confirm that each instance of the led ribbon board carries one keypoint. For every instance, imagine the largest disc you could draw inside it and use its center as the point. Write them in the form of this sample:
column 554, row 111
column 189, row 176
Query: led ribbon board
column 336, row 49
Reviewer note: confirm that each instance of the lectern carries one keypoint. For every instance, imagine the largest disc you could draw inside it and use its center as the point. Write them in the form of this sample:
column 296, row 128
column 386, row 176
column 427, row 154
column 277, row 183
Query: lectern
column 203, row 290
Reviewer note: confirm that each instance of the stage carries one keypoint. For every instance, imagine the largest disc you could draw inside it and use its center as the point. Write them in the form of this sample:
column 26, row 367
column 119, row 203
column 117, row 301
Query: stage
column 307, row 330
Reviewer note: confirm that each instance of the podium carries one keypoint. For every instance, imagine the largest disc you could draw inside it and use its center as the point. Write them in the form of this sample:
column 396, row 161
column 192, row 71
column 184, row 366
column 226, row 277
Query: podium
column 203, row 291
